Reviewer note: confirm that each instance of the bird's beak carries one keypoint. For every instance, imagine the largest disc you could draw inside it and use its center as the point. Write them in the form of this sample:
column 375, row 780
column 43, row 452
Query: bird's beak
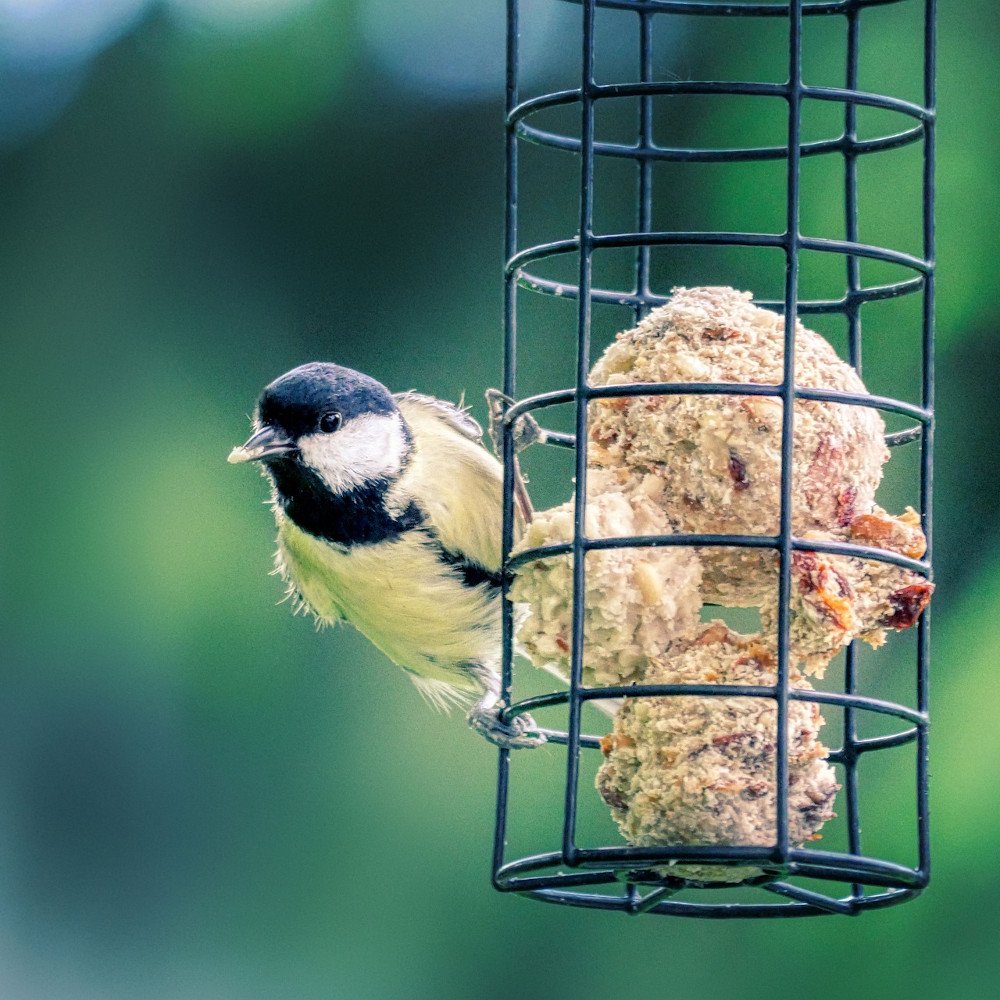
column 266, row 443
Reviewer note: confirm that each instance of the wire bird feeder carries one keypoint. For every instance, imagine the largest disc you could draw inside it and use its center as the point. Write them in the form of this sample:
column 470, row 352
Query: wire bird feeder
column 796, row 880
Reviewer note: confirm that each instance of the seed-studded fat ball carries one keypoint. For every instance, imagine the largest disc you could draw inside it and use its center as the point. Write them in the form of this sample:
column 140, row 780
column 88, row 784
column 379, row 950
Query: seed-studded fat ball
column 718, row 458
column 637, row 601
column 701, row 770
column 836, row 598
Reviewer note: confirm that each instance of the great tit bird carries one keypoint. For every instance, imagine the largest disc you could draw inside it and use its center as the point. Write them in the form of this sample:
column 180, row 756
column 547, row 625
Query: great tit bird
column 388, row 510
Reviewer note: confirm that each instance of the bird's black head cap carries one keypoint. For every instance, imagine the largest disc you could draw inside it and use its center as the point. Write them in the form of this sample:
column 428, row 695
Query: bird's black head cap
column 298, row 400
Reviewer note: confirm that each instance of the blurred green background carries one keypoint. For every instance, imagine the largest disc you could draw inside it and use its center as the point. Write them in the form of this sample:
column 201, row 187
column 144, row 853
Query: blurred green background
column 200, row 796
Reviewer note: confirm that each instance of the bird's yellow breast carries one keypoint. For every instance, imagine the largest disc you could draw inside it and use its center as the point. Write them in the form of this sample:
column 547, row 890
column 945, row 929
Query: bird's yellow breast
column 401, row 595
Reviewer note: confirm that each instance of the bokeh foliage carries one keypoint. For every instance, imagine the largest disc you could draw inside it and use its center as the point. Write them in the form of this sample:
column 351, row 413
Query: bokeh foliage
column 199, row 795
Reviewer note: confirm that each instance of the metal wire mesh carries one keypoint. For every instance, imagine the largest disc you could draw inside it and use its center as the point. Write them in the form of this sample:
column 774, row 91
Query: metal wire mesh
column 619, row 877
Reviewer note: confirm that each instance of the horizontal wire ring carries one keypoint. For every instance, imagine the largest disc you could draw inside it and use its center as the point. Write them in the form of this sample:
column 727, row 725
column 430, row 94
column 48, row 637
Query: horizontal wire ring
column 694, row 540
column 730, row 88
column 842, row 144
column 874, row 293
column 830, row 865
column 610, row 691
column 631, row 389
column 716, row 238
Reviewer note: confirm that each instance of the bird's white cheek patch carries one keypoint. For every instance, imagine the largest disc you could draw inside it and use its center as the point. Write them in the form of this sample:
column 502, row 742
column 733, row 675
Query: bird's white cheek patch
column 365, row 449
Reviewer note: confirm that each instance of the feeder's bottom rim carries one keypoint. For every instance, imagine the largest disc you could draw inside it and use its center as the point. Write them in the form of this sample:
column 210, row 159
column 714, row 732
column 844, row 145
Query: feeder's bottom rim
column 605, row 865
column 851, row 906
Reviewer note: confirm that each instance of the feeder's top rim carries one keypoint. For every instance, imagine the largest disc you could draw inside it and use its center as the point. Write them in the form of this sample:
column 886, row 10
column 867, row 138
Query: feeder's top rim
column 736, row 8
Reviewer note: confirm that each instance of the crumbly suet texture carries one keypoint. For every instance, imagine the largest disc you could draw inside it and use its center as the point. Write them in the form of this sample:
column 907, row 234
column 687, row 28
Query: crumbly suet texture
column 836, row 599
column 701, row 770
column 638, row 600
column 716, row 460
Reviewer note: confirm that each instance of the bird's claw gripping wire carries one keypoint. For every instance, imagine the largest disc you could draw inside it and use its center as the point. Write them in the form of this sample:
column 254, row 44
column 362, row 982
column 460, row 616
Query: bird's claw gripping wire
column 520, row 733
column 486, row 716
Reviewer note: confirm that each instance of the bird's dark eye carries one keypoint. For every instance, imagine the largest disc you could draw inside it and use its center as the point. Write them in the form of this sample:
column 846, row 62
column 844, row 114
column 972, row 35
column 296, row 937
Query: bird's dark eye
column 330, row 422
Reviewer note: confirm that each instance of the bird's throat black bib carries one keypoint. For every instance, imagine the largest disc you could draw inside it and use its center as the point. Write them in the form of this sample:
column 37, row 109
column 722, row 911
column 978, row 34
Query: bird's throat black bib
column 356, row 517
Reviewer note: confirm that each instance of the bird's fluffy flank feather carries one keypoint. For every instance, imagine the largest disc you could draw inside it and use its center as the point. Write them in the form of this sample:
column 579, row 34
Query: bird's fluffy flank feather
column 397, row 594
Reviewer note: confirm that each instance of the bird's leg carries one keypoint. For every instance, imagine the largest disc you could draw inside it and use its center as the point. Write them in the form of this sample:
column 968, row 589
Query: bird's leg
column 526, row 431
column 484, row 717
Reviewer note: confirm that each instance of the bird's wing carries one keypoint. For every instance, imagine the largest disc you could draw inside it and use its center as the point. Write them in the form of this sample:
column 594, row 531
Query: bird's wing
column 459, row 483
column 456, row 417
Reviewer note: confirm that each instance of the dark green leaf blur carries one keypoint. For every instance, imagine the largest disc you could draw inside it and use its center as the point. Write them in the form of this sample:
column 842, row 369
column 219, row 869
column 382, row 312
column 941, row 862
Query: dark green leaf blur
column 200, row 795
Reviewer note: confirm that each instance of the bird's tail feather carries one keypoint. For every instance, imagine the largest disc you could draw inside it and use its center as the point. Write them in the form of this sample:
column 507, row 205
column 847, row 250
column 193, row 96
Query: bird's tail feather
column 441, row 695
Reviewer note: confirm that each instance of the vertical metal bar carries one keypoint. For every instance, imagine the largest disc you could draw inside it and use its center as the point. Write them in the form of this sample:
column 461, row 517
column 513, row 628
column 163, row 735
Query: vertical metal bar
column 788, row 395
column 645, row 205
column 851, row 191
column 927, row 439
column 644, row 223
column 851, row 765
column 853, row 314
column 569, row 849
column 507, row 440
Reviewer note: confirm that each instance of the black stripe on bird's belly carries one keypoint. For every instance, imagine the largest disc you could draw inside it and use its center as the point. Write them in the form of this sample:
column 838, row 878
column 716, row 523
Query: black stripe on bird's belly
column 355, row 517
column 472, row 574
